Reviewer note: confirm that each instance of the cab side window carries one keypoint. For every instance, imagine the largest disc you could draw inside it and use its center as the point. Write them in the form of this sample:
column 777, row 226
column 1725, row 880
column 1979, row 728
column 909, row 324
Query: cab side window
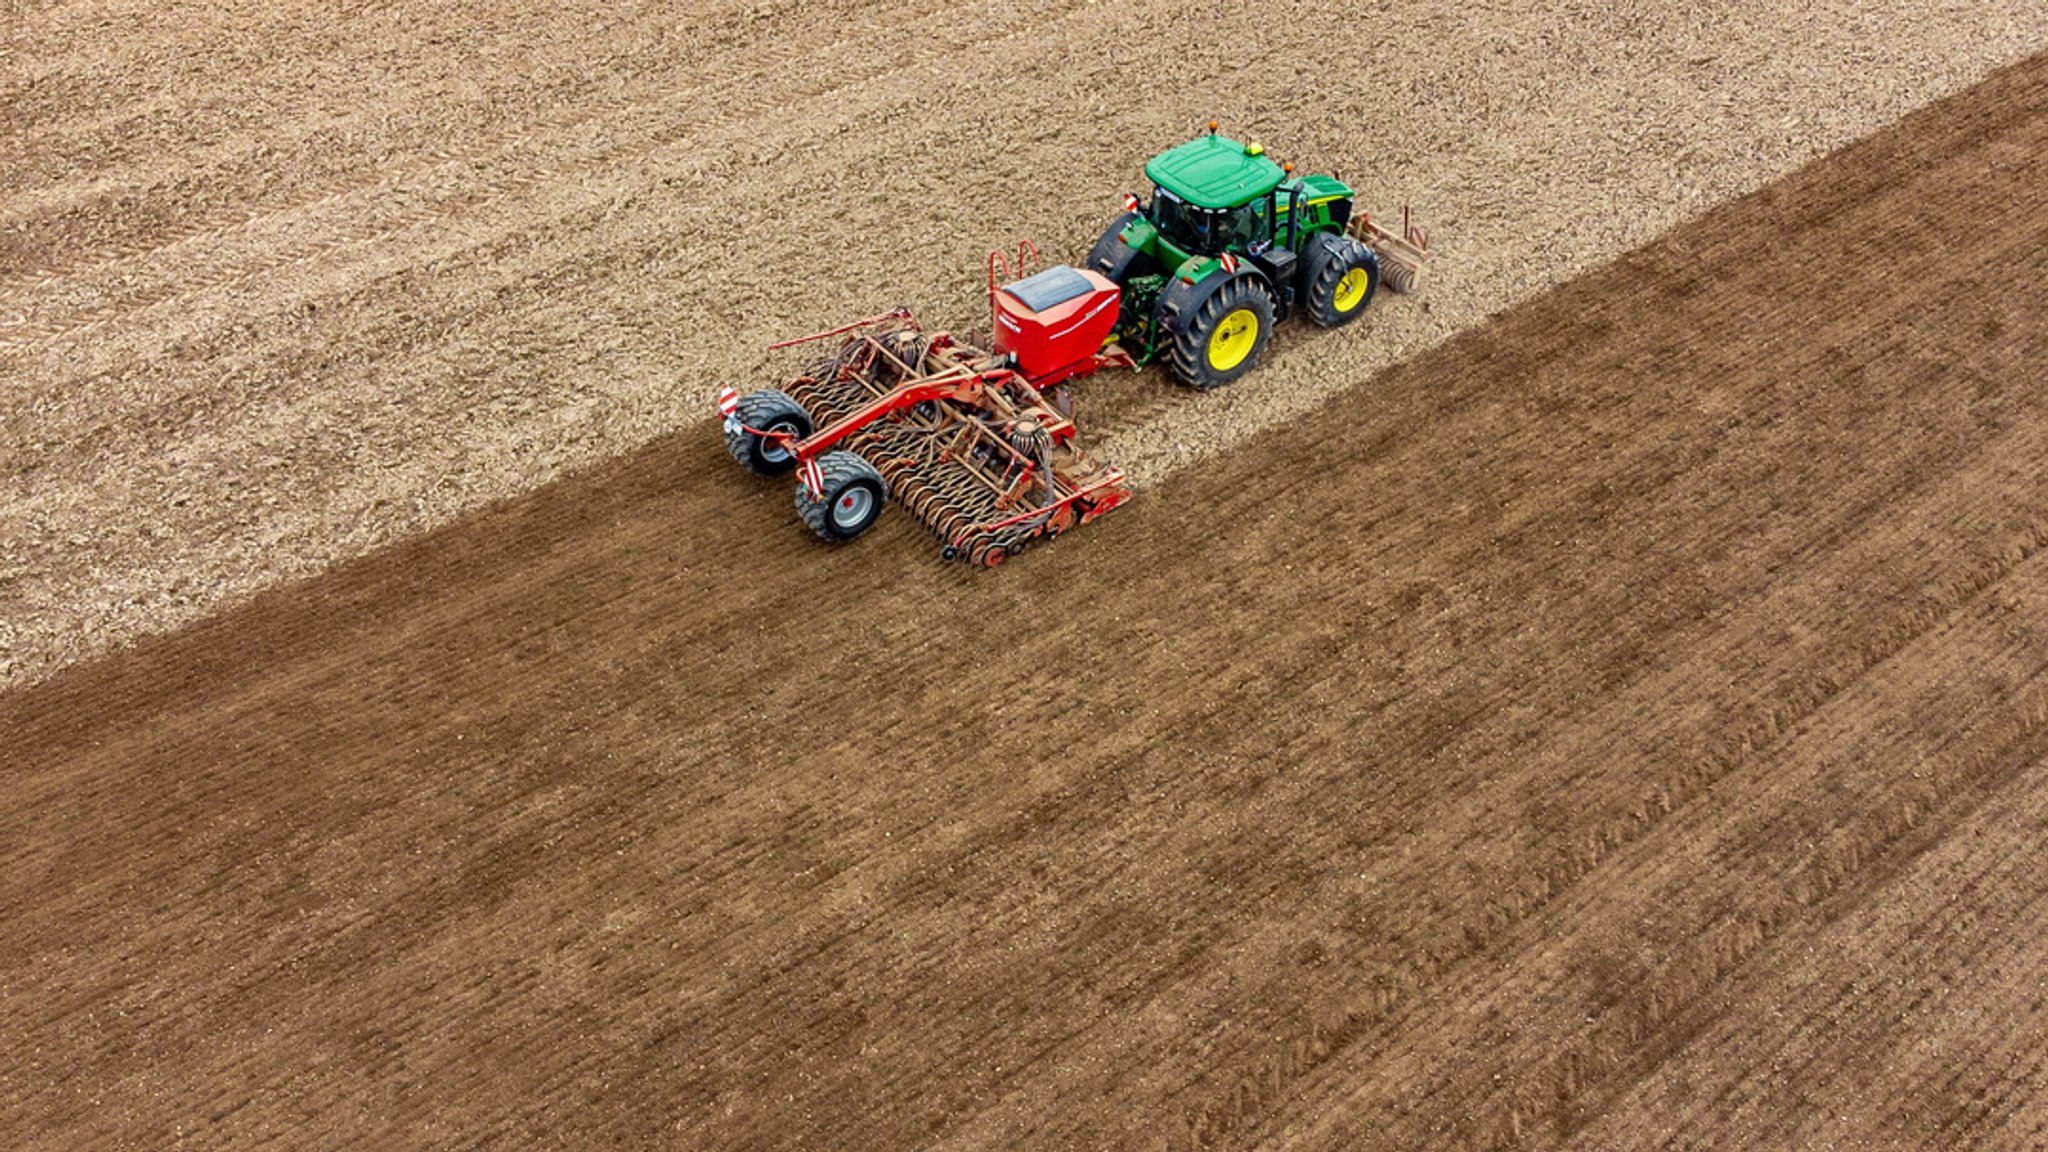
column 1250, row 223
column 1262, row 218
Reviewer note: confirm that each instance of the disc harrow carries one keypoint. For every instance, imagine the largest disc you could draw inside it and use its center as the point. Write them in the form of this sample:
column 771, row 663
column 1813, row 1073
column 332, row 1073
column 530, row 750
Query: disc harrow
column 983, row 473
column 968, row 445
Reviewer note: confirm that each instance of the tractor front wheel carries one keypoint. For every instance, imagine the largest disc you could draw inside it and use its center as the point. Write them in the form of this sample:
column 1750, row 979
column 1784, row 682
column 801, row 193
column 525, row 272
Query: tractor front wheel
column 1224, row 336
column 763, row 429
column 850, row 501
column 1342, row 275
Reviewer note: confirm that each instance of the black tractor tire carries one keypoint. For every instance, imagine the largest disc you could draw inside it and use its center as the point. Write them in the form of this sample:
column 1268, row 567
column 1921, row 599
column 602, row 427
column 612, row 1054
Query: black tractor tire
column 1115, row 259
column 852, row 501
column 767, row 410
column 1330, row 274
column 1194, row 345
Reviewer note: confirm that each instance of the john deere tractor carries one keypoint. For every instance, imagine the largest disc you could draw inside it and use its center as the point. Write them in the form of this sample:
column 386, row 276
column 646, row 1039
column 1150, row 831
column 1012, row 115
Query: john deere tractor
column 1230, row 244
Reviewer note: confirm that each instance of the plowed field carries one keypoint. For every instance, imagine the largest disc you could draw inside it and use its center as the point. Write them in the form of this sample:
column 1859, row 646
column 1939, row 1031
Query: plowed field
column 1625, row 725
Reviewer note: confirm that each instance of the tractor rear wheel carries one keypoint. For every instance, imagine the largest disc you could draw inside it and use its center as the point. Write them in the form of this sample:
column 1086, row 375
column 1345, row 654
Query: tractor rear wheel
column 1341, row 274
column 1121, row 264
column 767, row 410
column 1224, row 336
column 852, row 498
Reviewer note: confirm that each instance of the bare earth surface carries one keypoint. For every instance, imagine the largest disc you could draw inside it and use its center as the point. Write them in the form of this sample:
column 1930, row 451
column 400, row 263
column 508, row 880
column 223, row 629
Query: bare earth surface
column 282, row 282
column 1622, row 726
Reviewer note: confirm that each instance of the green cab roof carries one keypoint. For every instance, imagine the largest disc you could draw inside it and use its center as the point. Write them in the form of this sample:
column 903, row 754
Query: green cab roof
column 1215, row 172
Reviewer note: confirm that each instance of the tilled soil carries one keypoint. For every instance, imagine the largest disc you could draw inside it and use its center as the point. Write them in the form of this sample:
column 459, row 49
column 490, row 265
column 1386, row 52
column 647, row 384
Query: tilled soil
column 1625, row 725
column 284, row 282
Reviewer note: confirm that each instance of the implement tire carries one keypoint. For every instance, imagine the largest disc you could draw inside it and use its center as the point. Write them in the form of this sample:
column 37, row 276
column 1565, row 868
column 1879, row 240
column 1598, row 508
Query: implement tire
column 1341, row 274
column 852, row 501
column 1223, row 337
column 768, row 410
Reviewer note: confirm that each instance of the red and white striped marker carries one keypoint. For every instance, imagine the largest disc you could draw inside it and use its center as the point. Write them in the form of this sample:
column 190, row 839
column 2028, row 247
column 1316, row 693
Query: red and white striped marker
column 728, row 401
column 1130, row 201
column 1230, row 264
column 814, row 478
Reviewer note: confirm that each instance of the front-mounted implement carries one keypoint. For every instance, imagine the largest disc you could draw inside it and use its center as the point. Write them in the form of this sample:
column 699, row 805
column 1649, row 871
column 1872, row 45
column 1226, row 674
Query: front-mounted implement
column 977, row 444
column 1401, row 255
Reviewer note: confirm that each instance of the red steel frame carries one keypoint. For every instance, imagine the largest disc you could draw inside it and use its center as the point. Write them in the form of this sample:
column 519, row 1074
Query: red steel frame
column 970, row 384
column 962, row 384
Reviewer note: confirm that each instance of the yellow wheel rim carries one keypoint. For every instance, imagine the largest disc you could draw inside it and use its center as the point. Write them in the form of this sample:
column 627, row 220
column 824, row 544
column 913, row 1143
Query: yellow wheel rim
column 1233, row 339
column 1351, row 289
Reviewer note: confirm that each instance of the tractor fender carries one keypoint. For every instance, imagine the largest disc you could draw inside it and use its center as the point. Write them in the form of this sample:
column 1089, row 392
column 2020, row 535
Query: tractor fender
column 1182, row 297
column 1114, row 258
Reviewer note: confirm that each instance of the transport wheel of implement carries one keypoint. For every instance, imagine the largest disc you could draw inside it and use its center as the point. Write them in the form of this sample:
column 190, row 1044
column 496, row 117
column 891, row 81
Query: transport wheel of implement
column 767, row 410
column 1341, row 274
column 1223, row 338
column 853, row 496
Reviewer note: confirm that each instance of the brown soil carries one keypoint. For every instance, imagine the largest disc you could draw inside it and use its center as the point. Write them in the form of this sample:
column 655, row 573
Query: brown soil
column 1624, row 726
column 283, row 282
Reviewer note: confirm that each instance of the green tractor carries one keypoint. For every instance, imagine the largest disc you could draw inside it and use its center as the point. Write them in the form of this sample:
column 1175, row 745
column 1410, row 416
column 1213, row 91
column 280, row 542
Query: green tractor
column 1231, row 243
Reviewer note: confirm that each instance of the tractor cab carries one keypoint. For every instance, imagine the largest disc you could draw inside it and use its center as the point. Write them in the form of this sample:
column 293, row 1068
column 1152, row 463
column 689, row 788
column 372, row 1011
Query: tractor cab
column 1199, row 231
column 1214, row 195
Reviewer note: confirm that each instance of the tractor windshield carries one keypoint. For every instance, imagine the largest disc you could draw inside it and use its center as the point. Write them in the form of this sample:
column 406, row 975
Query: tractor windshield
column 1208, row 231
column 1184, row 226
